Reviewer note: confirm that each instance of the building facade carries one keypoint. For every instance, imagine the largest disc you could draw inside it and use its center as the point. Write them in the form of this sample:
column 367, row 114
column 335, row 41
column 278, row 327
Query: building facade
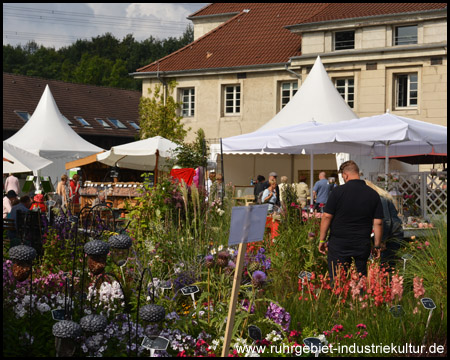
column 248, row 60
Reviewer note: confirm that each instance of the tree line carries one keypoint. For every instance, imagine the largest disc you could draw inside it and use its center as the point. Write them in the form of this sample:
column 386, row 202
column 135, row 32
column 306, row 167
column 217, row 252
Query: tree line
column 103, row 60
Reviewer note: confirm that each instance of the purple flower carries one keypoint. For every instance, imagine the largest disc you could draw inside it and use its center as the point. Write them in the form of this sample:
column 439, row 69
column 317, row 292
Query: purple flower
column 279, row 315
column 245, row 304
column 258, row 278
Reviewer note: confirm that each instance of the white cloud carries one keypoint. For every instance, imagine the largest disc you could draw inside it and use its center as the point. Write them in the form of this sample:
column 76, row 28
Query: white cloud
column 161, row 11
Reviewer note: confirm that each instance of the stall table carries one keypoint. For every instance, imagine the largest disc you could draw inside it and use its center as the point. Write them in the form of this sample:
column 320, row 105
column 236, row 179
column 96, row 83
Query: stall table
column 115, row 193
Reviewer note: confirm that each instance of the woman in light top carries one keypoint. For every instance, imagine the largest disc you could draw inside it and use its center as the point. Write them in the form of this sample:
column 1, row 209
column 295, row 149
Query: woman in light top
column 302, row 191
column 270, row 196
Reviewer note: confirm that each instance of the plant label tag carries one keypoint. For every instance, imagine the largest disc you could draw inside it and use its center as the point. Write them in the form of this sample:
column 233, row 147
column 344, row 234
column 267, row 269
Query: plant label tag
column 155, row 343
column 254, row 332
column 314, row 344
column 396, row 311
column 304, row 274
column 188, row 290
column 59, row 314
column 428, row 303
column 166, row 285
column 407, row 257
column 247, row 224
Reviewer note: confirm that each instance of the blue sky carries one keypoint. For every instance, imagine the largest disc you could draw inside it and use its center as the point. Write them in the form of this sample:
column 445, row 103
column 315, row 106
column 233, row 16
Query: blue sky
column 60, row 24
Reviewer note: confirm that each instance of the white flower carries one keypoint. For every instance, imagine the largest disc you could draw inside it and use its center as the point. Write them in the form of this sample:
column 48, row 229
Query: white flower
column 43, row 307
column 220, row 248
column 213, row 252
column 252, row 354
column 323, row 339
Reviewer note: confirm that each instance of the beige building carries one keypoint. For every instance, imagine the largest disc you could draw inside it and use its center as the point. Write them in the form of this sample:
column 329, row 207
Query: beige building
column 246, row 63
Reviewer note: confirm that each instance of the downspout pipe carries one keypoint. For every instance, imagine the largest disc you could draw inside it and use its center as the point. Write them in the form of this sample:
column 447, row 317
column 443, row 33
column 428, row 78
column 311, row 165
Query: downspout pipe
column 286, row 67
column 164, row 84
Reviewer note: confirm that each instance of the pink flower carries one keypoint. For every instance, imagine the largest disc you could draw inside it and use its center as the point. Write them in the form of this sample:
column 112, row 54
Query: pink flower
column 361, row 326
column 416, row 310
column 397, row 286
column 427, row 243
column 418, row 289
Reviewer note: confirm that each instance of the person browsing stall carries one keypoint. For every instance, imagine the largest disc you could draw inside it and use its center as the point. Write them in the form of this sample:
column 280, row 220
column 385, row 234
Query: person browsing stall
column 270, row 196
column 321, row 190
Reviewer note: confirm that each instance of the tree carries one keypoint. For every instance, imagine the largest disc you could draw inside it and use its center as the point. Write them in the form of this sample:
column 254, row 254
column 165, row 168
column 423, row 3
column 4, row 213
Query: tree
column 159, row 119
column 193, row 155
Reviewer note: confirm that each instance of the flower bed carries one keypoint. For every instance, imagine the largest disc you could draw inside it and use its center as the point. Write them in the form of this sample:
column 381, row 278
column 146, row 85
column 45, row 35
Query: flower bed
column 183, row 241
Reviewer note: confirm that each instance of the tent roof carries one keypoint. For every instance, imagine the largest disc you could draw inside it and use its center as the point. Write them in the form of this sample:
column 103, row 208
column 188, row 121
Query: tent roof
column 316, row 100
column 140, row 155
column 47, row 132
column 21, row 160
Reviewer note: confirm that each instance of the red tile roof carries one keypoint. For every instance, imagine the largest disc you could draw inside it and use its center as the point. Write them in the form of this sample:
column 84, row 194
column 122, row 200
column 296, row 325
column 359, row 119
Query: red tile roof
column 23, row 93
column 336, row 11
column 259, row 36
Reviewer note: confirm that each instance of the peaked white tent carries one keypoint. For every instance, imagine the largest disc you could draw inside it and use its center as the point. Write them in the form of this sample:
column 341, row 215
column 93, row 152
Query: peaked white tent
column 316, row 100
column 48, row 135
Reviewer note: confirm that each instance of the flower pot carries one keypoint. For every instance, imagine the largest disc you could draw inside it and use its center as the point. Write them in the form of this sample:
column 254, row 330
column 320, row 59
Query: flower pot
column 21, row 270
column 22, row 256
column 97, row 263
column 97, row 252
column 120, row 245
column 66, row 332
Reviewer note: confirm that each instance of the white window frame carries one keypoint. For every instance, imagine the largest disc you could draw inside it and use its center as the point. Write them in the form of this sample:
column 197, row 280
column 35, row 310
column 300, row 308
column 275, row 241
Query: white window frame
column 236, row 100
column 190, row 102
column 346, row 88
column 293, row 88
column 409, row 84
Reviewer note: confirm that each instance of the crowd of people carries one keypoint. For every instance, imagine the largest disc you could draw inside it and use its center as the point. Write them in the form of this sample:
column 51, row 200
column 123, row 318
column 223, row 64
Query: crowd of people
column 352, row 213
column 357, row 217
column 68, row 194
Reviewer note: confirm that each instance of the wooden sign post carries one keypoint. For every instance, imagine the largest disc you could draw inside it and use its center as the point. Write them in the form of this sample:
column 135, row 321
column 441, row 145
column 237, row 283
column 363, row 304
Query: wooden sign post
column 247, row 225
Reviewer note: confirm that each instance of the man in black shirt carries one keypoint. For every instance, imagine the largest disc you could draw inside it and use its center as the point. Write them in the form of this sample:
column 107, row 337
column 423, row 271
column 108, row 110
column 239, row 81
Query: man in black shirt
column 352, row 211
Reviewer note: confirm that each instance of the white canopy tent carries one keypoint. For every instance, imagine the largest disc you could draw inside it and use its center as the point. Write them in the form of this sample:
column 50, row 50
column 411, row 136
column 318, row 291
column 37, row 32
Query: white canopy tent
column 316, row 102
column 47, row 134
column 377, row 135
column 22, row 160
column 147, row 155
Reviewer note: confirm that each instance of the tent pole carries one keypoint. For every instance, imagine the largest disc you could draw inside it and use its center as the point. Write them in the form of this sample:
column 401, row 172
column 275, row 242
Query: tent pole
column 311, row 158
column 155, row 181
column 386, row 165
column 221, row 165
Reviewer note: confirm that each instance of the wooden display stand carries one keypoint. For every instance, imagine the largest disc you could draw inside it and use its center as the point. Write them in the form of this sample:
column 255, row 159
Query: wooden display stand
column 116, row 193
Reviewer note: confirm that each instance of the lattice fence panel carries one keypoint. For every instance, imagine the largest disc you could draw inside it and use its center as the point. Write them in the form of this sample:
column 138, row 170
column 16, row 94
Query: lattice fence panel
column 422, row 193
